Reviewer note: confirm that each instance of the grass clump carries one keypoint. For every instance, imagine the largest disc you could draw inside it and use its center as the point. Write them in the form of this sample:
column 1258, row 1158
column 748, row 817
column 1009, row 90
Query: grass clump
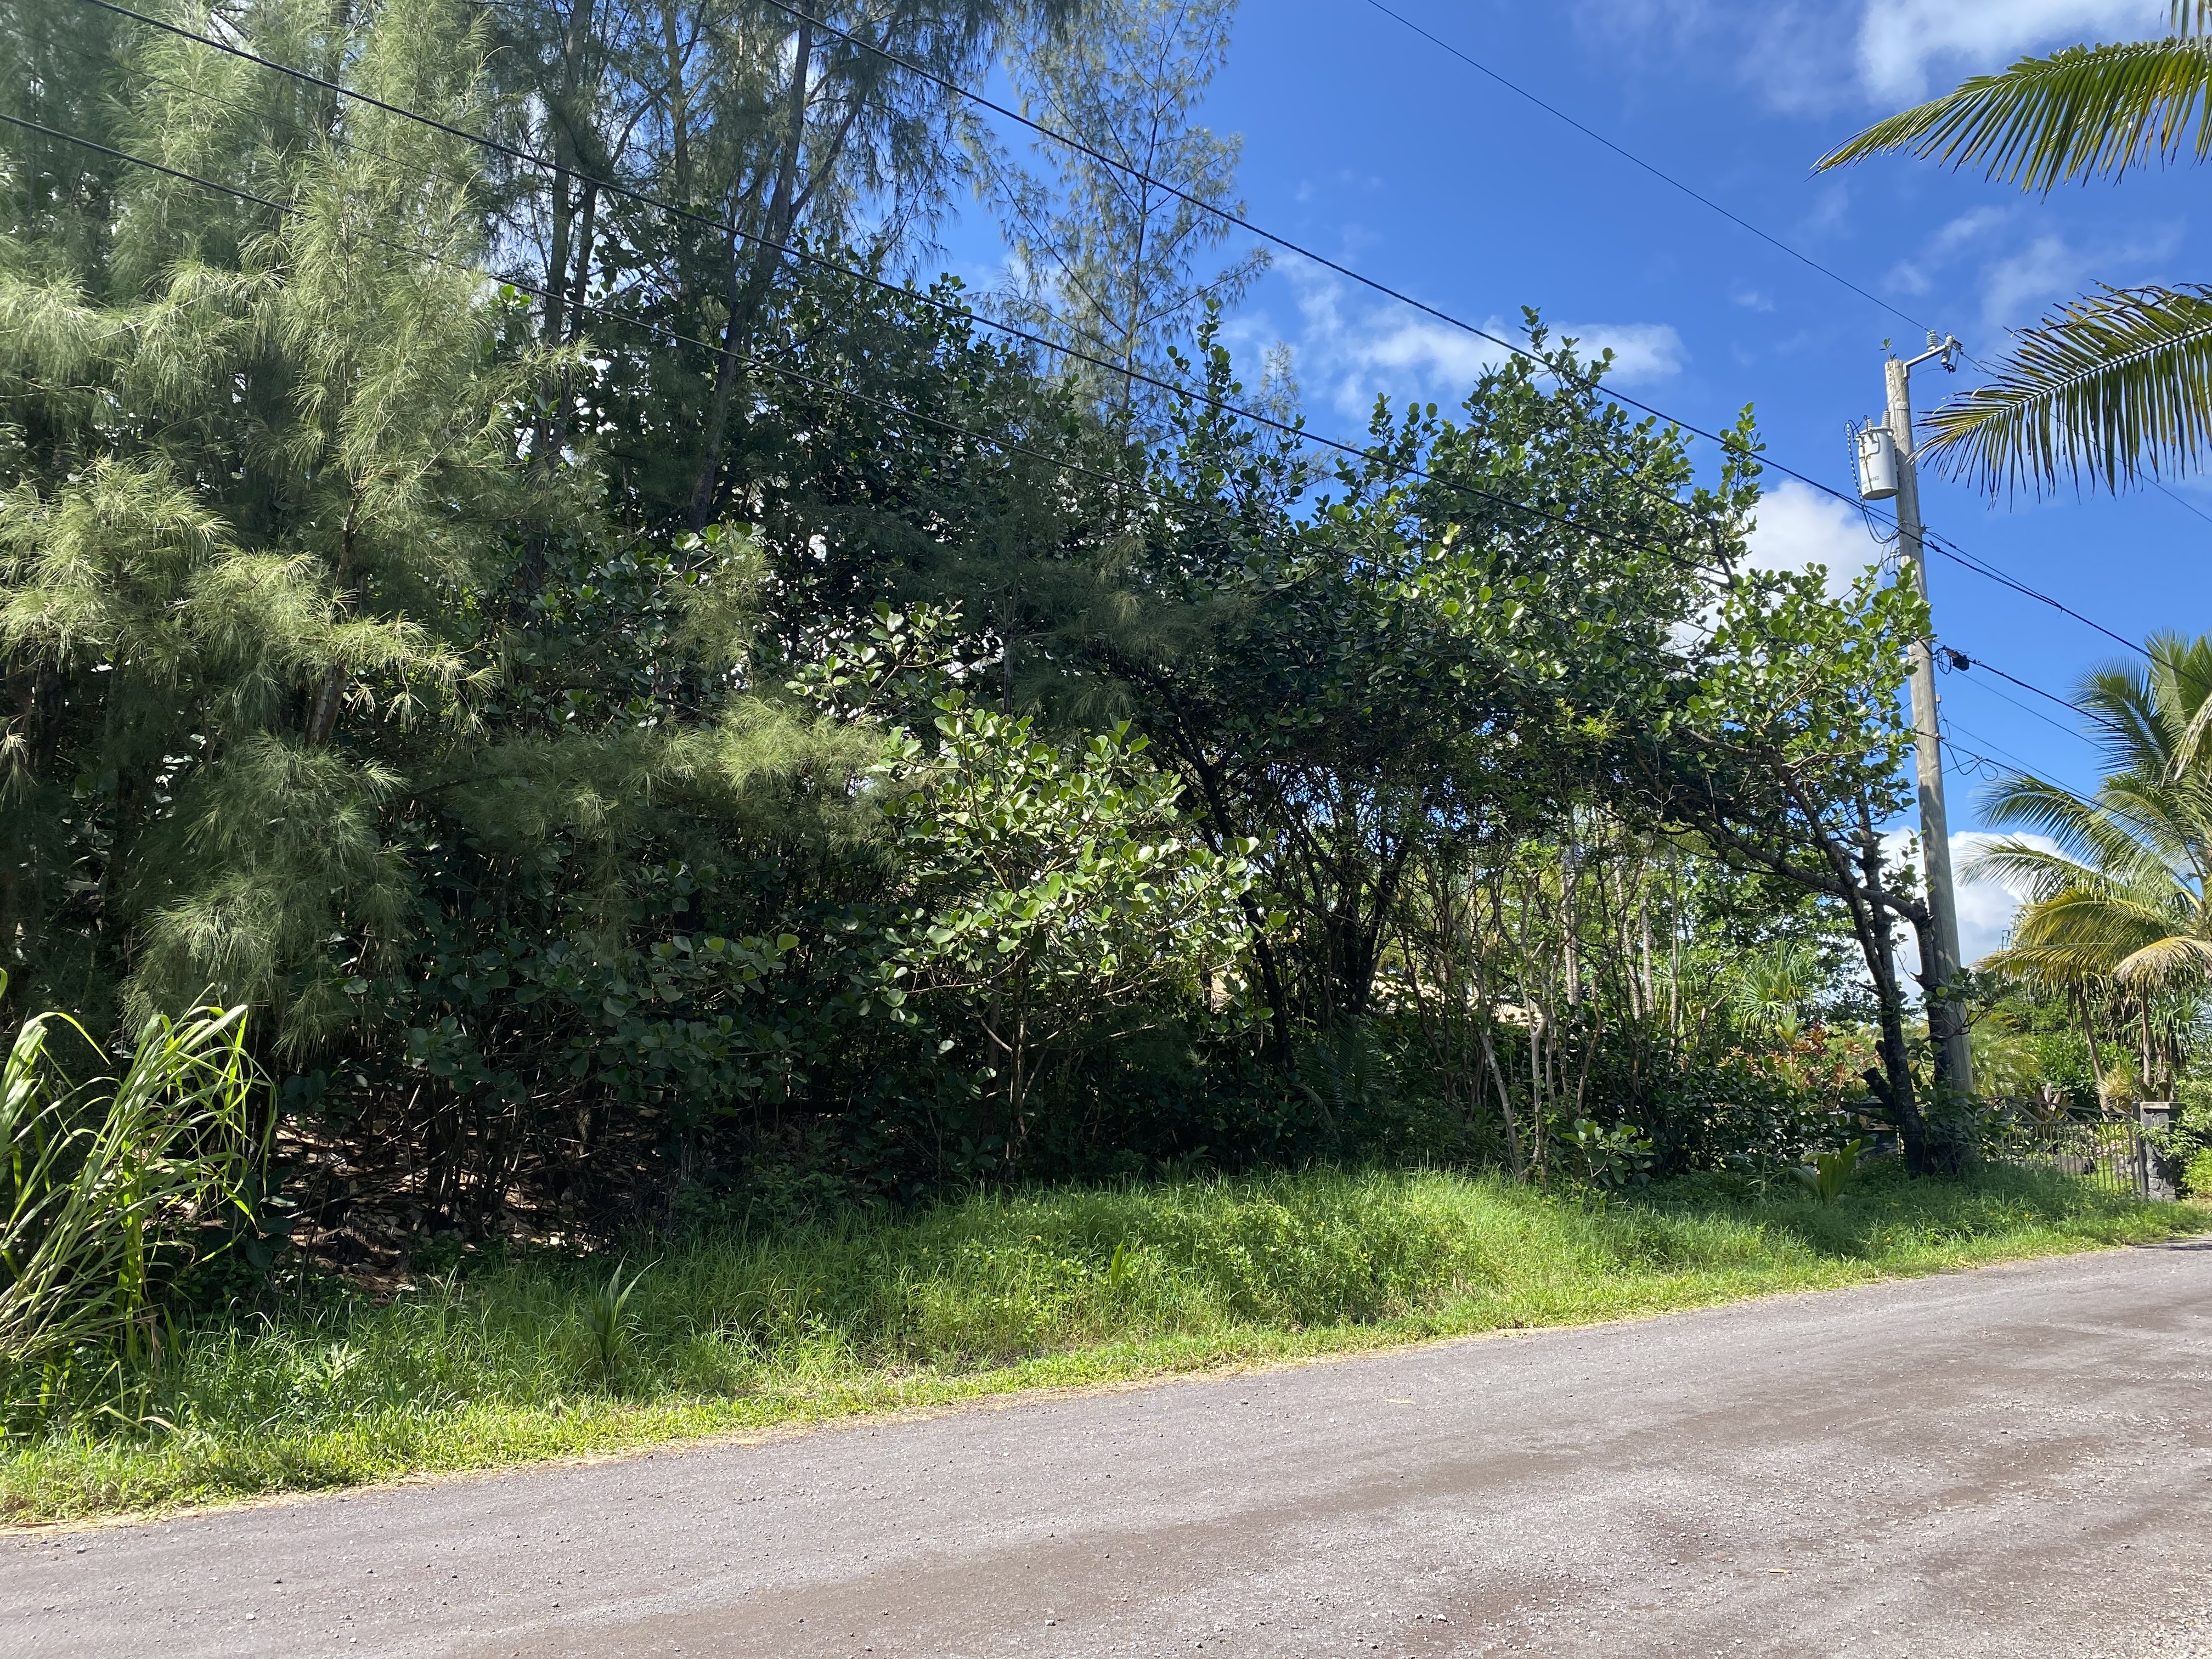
column 535, row 1359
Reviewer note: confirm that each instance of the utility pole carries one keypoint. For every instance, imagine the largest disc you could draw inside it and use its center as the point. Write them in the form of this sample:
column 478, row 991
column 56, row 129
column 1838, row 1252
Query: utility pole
column 1887, row 468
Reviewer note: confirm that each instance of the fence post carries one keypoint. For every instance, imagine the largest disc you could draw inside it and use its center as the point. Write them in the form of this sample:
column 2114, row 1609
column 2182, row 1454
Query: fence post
column 2153, row 1117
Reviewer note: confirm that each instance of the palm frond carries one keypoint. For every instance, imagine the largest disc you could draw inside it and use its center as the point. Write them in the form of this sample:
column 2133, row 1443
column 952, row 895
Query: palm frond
column 2169, row 961
column 2115, row 923
column 2116, row 385
column 2084, row 112
column 2022, row 802
column 2030, row 873
column 2181, row 673
column 2132, row 727
column 2038, row 965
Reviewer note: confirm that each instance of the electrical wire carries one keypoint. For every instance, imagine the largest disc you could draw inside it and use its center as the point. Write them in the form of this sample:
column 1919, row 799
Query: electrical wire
column 1958, row 555
column 673, row 336
column 1964, row 660
column 2037, row 714
column 1228, row 216
column 1634, row 160
column 1295, row 430
column 2186, row 507
column 815, row 382
column 2013, row 761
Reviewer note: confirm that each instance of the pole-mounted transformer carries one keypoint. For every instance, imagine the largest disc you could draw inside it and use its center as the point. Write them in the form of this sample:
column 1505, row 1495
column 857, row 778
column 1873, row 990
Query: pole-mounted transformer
column 1877, row 447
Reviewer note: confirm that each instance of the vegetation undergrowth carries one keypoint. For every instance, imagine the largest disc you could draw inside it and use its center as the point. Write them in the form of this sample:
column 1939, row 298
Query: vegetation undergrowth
column 516, row 1360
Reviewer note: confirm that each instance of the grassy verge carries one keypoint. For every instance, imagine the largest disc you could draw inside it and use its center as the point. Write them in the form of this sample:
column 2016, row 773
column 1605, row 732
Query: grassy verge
column 1051, row 1288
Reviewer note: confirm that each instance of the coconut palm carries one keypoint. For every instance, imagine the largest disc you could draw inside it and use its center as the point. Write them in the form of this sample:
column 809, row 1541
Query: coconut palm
column 2117, row 383
column 2120, row 898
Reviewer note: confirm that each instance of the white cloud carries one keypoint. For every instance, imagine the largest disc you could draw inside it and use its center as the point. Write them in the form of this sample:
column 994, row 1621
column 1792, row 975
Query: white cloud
column 1907, row 49
column 1914, row 276
column 1799, row 527
column 1642, row 352
column 2018, row 285
column 2016, row 289
column 1349, row 357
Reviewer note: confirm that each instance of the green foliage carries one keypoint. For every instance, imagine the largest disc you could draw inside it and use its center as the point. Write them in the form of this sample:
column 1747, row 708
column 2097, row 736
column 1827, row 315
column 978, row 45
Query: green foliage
column 1829, row 1173
column 2197, row 1174
column 702, row 729
column 1106, row 263
column 113, row 1180
column 2115, row 919
column 1607, row 1158
column 608, row 1326
column 1056, row 888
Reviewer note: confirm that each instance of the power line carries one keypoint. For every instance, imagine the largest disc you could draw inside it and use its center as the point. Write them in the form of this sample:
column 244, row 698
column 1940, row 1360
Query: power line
column 1228, row 216
column 1957, row 555
column 1635, row 159
column 2186, row 507
column 1982, row 568
column 2014, row 761
column 2037, row 714
column 1294, row 429
column 1962, row 661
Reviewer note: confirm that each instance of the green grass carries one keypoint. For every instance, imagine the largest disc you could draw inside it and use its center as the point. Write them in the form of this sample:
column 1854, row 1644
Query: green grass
column 535, row 1360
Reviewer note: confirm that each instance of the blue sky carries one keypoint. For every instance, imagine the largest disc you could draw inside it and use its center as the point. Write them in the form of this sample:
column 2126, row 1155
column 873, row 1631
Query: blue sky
column 1378, row 150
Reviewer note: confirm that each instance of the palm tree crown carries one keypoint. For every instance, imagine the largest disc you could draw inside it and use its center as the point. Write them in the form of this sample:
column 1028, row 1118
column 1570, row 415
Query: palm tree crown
column 2120, row 897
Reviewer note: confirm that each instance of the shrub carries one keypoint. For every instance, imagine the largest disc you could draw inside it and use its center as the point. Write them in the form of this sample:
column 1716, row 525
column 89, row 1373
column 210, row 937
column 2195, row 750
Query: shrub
column 104, row 1176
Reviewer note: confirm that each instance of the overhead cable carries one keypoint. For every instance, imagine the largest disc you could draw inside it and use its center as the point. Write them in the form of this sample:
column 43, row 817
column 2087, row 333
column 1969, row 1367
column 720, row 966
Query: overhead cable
column 673, row 336
column 1634, row 160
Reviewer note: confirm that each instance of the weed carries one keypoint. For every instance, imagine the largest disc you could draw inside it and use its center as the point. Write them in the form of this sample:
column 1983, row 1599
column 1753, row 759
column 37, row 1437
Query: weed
column 1829, row 1173
column 608, row 1326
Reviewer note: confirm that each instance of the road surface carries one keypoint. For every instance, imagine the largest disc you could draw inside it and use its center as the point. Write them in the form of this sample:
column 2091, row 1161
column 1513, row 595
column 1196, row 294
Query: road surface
column 2016, row 1462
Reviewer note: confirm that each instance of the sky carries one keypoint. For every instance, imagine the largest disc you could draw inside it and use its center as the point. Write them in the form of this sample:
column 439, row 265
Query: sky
column 1378, row 150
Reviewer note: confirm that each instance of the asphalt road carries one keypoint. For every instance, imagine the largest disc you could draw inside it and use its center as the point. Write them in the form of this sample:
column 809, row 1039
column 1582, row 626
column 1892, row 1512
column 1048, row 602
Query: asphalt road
column 2014, row 1462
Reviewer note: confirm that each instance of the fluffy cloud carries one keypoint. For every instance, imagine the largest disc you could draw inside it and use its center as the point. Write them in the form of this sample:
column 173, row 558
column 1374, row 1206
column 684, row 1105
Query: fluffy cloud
column 2017, row 290
column 2019, row 286
column 1820, row 55
column 1799, row 527
column 1350, row 356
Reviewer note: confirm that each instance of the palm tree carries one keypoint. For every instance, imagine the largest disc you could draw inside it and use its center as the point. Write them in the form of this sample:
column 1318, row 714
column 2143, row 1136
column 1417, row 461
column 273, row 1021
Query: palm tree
column 2117, row 383
column 2120, row 900
column 1773, row 988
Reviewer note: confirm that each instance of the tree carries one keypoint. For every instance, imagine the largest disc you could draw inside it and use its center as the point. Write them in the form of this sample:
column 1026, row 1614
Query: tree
column 1441, row 648
column 260, row 548
column 1785, row 755
column 1053, row 886
column 2123, row 900
column 2118, row 383
column 1106, row 251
